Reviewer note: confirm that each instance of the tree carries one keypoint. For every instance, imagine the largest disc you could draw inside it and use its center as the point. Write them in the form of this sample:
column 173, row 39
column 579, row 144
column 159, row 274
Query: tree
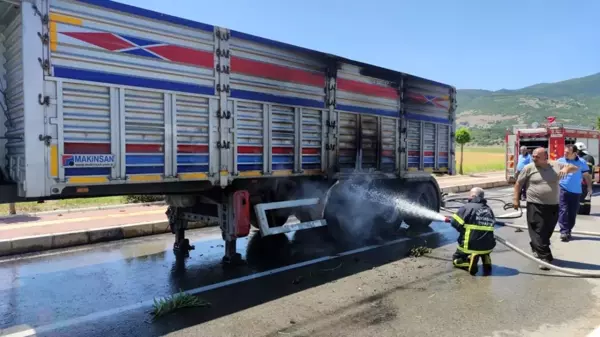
column 598, row 122
column 463, row 136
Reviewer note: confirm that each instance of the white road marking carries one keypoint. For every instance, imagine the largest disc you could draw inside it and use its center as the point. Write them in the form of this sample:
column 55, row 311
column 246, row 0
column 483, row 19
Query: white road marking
column 107, row 313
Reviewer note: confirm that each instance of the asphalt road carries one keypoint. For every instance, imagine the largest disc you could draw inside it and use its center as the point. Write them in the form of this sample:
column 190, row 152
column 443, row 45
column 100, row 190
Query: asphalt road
column 300, row 285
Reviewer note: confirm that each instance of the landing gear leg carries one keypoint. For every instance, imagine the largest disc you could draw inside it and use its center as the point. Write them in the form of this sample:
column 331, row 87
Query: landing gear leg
column 232, row 257
column 181, row 247
column 228, row 227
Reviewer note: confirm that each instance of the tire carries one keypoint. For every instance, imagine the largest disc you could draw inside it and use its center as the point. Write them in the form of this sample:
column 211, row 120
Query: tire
column 426, row 196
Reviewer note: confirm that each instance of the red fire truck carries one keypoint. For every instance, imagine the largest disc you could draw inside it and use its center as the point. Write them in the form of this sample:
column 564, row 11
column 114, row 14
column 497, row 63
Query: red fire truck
column 553, row 137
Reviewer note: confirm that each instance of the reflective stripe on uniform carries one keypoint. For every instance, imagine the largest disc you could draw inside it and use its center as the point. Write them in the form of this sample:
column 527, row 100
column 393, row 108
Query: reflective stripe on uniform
column 478, row 252
column 479, row 228
column 468, row 229
column 458, row 219
column 585, row 203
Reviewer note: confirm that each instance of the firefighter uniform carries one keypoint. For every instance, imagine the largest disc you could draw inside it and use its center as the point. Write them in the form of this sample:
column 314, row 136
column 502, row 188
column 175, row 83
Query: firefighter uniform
column 475, row 223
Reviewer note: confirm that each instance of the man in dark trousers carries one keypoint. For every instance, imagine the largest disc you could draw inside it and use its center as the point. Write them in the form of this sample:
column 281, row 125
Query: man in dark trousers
column 585, row 202
column 541, row 177
column 570, row 191
column 475, row 223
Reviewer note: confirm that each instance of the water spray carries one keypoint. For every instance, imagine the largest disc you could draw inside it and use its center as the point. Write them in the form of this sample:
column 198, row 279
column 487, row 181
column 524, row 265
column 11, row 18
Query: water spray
column 408, row 207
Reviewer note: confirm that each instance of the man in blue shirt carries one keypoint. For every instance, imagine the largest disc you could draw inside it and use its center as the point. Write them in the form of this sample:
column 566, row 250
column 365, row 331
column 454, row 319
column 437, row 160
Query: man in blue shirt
column 524, row 159
column 570, row 191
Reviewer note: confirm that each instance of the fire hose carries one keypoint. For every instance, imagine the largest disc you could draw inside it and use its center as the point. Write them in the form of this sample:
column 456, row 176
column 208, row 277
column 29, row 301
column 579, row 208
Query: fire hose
column 518, row 214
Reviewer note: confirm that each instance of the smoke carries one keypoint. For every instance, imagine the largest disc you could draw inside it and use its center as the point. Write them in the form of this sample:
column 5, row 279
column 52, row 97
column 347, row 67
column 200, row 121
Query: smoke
column 357, row 211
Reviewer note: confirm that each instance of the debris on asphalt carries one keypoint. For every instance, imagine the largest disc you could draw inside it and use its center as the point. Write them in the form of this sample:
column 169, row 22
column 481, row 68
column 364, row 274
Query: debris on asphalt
column 419, row 251
column 172, row 303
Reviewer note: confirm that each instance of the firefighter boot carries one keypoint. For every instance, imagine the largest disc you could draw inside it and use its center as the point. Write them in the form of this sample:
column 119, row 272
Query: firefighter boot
column 461, row 263
column 473, row 261
column 487, row 264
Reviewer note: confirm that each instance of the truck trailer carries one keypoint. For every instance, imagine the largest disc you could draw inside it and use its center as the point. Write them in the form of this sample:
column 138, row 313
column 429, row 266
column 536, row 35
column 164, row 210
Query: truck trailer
column 102, row 98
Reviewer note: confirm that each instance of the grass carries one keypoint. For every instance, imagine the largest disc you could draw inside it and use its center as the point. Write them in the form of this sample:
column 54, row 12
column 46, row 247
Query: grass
column 481, row 159
column 51, row 205
column 175, row 302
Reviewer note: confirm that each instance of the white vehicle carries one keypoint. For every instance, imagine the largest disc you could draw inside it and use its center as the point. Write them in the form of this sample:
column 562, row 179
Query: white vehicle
column 102, row 98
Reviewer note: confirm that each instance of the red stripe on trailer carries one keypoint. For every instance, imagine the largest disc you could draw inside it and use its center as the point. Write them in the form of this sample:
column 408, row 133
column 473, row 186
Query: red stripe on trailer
column 282, row 150
column 192, row 148
column 87, row 148
column 185, row 55
column 414, row 153
column 276, row 72
column 443, row 154
column 250, row 149
column 428, row 153
column 366, row 88
column 311, row 150
column 387, row 153
column 144, row 148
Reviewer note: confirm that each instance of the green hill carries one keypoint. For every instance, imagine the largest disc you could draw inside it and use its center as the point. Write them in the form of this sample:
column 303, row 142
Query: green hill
column 489, row 113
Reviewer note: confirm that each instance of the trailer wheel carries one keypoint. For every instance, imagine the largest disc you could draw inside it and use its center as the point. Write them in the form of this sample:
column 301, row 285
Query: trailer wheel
column 425, row 195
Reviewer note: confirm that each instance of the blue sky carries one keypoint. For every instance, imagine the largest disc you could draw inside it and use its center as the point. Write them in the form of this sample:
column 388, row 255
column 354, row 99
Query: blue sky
column 491, row 44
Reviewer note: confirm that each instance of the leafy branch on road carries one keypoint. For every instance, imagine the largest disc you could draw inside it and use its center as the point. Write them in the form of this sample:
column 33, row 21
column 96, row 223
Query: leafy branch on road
column 174, row 302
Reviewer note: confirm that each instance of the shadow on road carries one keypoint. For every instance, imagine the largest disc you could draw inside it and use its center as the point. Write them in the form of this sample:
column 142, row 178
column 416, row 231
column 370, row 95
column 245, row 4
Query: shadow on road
column 575, row 265
column 18, row 218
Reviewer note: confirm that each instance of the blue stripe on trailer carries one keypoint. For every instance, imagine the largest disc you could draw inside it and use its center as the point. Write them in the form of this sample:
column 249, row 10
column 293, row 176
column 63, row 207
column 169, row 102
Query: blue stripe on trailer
column 311, row 159
column 192, row 169
column 413, row 159
column 311, row 166
column 192, row 159
column 282, row 166
column 144, row 160
column 413, row 164
column 144, row 169
column 242, row 168
column 256, row 159
column 443, row 159
column 120, row 7
column 259, row 96
column 87, row 171
column 134, row 81
column 282, row 159
column 427, row 160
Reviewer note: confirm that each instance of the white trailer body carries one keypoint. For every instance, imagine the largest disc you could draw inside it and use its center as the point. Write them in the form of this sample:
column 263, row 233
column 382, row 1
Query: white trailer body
column 104, row 94
column 103, row 98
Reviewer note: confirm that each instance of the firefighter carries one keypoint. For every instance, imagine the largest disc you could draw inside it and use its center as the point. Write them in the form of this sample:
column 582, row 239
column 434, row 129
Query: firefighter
column 586, row 185
column 475, row 223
